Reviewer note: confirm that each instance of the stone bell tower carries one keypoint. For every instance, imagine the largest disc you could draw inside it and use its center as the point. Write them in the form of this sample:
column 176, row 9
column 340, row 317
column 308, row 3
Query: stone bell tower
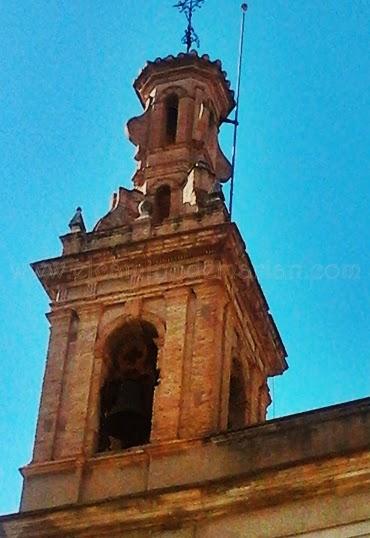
column 161, row 338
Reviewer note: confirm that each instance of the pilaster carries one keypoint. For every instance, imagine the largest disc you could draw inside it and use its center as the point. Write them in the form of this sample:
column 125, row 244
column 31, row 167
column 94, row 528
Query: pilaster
column 167, row 398
column 185, row 123
column 52, row 385
column 70, row 439
column 228, row 339
column 157, row 126
column 200, row 404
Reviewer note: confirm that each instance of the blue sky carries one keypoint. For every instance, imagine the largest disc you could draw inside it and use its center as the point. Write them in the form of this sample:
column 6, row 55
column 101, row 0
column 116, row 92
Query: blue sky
column 302, row 185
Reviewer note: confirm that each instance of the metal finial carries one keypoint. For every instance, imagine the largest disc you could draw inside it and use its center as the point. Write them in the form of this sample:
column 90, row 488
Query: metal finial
column 188, row 7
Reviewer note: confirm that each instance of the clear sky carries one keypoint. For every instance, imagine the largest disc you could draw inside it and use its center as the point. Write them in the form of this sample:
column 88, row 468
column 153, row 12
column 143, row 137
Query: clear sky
column 302, row 186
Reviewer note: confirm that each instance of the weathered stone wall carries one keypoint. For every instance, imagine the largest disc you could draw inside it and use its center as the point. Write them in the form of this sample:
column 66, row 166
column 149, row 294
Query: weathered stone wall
column 186, row 286
column 305, row 475
column 312, row 437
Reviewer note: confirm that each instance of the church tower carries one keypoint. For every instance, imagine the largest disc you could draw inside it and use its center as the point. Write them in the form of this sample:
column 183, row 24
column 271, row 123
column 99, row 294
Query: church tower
column 160, row 334
column 152, row 421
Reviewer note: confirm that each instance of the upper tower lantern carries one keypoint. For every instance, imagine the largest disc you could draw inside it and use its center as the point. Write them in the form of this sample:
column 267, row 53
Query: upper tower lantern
column 186, row 99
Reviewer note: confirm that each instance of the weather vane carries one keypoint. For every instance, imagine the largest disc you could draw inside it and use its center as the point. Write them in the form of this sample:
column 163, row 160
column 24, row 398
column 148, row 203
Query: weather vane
column 188, row 7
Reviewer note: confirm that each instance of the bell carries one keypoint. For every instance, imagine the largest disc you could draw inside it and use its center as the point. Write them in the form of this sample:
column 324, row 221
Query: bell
column 127, row 420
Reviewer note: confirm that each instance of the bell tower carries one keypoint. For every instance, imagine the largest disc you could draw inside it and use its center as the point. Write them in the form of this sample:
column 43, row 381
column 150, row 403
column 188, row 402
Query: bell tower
column 160, row 335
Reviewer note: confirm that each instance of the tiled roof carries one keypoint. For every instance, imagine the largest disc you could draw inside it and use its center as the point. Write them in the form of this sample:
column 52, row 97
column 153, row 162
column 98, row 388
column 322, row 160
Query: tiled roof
column 183, row 58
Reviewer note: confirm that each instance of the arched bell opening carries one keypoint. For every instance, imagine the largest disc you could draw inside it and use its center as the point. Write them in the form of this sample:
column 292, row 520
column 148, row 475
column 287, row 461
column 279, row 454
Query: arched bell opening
column 126, row 397
column 237, row 400
column 162, row 204
column 172, row 116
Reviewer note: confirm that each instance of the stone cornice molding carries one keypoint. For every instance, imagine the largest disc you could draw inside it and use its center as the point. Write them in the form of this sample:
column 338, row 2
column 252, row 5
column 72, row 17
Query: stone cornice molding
column 157, row 509
column 220, row 243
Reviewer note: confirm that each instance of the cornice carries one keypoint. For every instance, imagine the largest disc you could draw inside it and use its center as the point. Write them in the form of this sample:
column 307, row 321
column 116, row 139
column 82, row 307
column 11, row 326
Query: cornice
column 198, row 502
column 172, row 65
column 220, row 243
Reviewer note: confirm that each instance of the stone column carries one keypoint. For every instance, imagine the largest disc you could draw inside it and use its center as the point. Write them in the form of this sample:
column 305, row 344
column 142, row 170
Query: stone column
column 170, row 362
column 52, row 385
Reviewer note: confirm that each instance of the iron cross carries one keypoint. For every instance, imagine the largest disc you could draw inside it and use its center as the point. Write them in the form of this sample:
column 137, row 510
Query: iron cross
column 188, row 7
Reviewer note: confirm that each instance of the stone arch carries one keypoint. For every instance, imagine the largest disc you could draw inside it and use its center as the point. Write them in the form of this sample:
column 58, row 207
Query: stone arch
column 129, row 347
column 177, row 90
column 109, row 327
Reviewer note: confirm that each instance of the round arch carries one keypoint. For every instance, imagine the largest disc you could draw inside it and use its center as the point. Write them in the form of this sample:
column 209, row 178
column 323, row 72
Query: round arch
column 129, row 347
column 108, row 328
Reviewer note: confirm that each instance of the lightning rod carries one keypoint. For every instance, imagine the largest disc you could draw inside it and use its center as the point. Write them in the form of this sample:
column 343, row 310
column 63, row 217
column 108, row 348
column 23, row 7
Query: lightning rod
column 235, row 122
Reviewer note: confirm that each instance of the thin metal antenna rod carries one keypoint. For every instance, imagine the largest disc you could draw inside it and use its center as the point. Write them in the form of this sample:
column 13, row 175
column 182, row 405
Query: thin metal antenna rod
column 236, row 121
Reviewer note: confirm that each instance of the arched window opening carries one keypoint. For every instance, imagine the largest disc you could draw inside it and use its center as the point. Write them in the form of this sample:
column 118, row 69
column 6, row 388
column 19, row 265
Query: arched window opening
column 172, row 113
column 237, row 403
column 126, row 399
column 162, row 203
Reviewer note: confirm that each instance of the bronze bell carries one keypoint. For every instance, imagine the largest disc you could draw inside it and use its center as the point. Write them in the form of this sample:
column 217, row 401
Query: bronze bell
column 127, row 420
